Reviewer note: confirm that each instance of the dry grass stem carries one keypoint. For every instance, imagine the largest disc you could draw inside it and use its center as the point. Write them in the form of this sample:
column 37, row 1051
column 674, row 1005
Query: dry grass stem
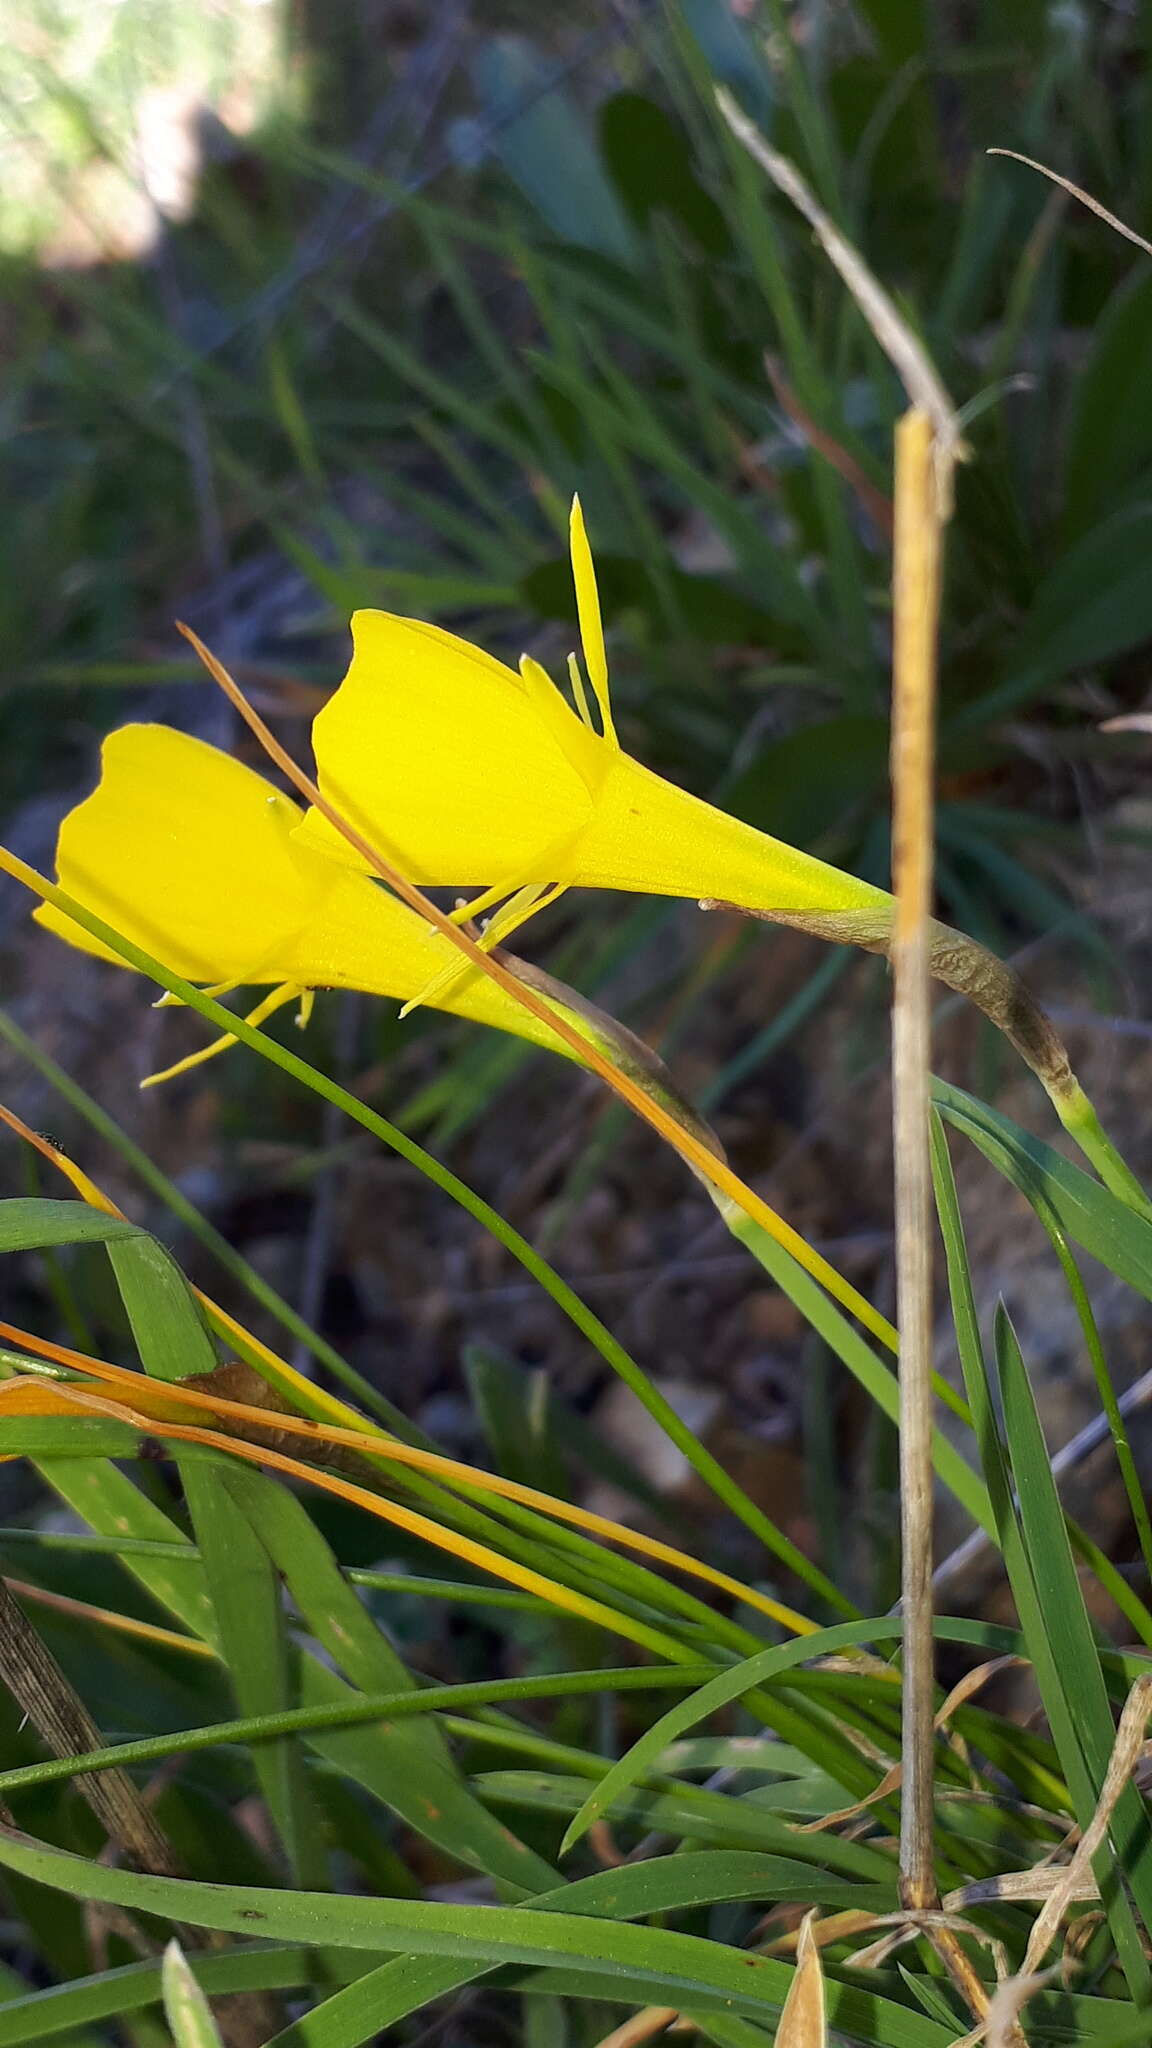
column 1059, row 1888
column 902, row 346
column 55, row 1710
column 1121, row 1764
column 916, row 588
column 1079, row 193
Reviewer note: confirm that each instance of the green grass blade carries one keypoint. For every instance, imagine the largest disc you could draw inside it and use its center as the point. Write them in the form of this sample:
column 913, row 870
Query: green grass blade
column 666, row 1884
column 351, row 1708
column 970, row 1349
column 69, row 1436
column 170, row 1332
column 1106, row 1391
column 727, row 1686
column 30, row 1223
column 634, row 1963
column 690, row 1813
column 993, row 1461
column 872, row 1373
column 178, row 1205
column 361, row 2011
column 1081, row 1718
column 474, row 416
column 413, row 1764
column 707, row 1468
column 16, row 1537
column 117, row 1994
column 1085, row 1210
column 245, row 1594
column 1037, row 1555
column 174, row 1344
column 106, row 1499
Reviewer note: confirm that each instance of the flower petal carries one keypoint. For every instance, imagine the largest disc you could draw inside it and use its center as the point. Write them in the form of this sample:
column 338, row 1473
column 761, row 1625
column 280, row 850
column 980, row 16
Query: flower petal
column 443, row 759
column 273, row 1001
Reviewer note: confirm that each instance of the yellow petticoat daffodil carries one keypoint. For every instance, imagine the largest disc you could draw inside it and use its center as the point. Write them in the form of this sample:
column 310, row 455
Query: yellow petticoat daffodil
column 463, row 772
column 196, row 858
column 468, row 772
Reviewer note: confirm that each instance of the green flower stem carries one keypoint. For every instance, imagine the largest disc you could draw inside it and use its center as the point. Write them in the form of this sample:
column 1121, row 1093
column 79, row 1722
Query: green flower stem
column 1083, row 1126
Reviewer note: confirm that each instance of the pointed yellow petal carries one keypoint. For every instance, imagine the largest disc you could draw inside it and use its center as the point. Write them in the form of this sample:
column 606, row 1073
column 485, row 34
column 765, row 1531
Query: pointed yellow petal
column 472, row 907
column 648, row 835
column 199, row 1058
column 452, row 976
column 516, row 912
column 441, row 757
column 168, row 1001
column 591, row 623
column 576, row 678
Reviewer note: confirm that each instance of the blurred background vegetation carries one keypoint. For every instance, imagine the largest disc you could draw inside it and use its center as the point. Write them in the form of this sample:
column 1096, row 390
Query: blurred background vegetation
column 307, row 306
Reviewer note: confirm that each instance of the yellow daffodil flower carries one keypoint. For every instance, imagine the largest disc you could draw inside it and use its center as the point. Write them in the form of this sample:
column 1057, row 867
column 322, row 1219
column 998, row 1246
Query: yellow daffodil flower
column 466, row 772
column 197, row 859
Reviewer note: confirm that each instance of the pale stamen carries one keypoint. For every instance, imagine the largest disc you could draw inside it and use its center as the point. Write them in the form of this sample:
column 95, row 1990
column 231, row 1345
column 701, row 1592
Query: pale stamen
column 274, row 1000
column 516, row 912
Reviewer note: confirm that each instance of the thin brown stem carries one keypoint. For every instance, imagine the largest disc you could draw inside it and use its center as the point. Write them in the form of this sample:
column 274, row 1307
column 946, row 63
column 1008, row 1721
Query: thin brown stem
column 916, row 585
column 64, row 1725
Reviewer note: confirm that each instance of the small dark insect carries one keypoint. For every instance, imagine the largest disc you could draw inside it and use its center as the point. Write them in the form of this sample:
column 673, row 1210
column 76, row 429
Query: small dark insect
column 49, row 1138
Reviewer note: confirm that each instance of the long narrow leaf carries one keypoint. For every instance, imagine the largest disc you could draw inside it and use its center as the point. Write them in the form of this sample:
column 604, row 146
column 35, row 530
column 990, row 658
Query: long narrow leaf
column 409, row 1763
column 116, row 1994
column 1081, row 1719
column 1106, row 1227
column 174, row 1344
column 635, row 1963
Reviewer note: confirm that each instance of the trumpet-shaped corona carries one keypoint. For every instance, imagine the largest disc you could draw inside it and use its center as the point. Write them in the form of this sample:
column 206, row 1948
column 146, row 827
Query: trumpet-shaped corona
column 197, row 859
